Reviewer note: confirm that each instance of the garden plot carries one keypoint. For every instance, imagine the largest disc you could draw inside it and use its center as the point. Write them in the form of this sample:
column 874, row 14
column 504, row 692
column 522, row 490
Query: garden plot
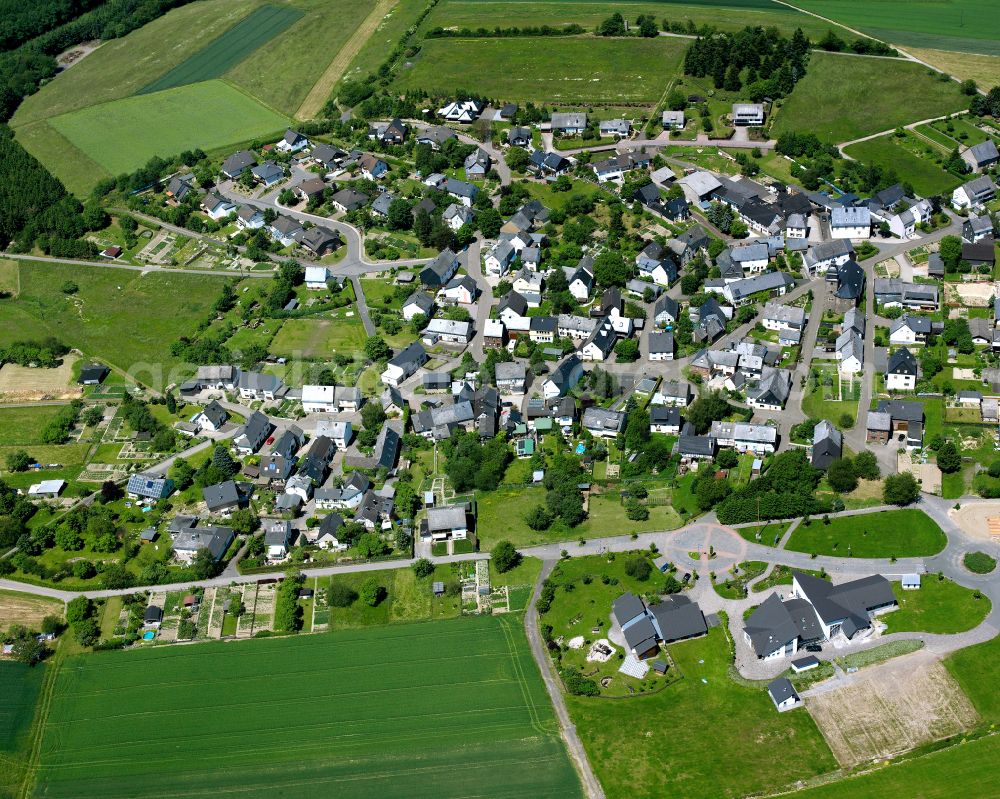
column 891, row 709
column 24, row 384
column 204, row 614
column 244, row 625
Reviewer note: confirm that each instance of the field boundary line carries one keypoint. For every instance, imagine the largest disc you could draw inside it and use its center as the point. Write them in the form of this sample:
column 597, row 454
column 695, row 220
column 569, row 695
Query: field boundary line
column 520, row 677
column 338, row 66
column 38, row 731
column 253, row 97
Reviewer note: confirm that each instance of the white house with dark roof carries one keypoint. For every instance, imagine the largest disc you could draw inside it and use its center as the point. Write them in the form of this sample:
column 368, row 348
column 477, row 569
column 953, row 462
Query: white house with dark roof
column 974, row 194
column 902, row 372
column 850, row 222
column 569, row 124
column 291, row 142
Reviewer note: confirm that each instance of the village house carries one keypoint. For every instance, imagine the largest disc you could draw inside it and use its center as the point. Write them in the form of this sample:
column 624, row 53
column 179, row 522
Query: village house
column 291, row 142
column 403, row 365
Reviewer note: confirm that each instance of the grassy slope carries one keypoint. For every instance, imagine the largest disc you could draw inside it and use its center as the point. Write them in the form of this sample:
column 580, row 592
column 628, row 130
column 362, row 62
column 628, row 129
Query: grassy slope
column 62, row 158
column 830, row 101
column 124, row 318
column 281, row 72
column 562, row 70
column 121, row 67
column 698, row 739
column 940, row 606
column 388, row 33
column 898, row 533
column 722, row 15
column 423, row 710
column 209, row 115
column 965, row 25
column 981, row 68
column 229, row 49
column 927, row 178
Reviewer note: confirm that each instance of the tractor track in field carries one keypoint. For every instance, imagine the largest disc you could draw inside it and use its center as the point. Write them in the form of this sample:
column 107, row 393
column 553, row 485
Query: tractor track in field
column 320, row 91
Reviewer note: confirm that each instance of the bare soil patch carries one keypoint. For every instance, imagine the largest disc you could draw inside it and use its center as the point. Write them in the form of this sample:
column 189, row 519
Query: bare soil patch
column 17, row 608
column 891, row 709
column 975, row 519
column 928, row 474
column 25, row 384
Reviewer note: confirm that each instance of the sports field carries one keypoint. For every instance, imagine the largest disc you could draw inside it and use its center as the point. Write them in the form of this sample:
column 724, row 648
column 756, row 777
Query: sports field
column 722, row 14
column 225, row 52
column 123, row 134
column 827, row 101
column 126, row 319
column 450, row 708
column 566, row 70
column 971, row 26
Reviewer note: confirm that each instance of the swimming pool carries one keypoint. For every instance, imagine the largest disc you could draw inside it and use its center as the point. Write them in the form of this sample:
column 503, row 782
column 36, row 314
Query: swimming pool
column 149, row 635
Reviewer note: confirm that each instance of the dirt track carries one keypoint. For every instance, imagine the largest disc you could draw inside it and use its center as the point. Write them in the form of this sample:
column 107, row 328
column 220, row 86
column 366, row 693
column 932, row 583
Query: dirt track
column 320, row 92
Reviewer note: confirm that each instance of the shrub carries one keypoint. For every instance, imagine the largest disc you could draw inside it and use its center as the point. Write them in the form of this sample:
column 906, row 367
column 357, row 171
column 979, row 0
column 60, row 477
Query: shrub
column 341, row 595
column 638, row 567
column 979, row 562
column 505, row 557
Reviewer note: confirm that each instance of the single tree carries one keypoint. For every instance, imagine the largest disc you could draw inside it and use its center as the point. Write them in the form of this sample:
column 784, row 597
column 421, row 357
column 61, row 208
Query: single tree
column 505, row 557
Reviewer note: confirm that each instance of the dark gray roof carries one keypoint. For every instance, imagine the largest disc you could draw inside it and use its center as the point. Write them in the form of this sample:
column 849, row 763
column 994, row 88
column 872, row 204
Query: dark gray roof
column 222, row 496
column 627, row 607
column 640, row 636
column 770, row 626
column 678, row 619
column 903, row 410
column 781, row 690
column 853, row 599
column 902, row 362
column 215, row 413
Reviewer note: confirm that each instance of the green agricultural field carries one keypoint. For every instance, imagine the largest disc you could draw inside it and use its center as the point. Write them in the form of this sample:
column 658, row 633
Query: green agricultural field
column 703, row 737
column 320, row 337
column 722, row 14
column 975, row 669
column 421, row 710
column 826, row 101
column 71, row 165
column 385, row 37
column 905, row 533
column 283, row 71
column 959, row 770
column 926, row 176
column 229, row 49
column 122, row 135
column 971, row 26
column 563, row 71
column 127, row 319
column 19, row 687
column 121, row 67
column 940, row 606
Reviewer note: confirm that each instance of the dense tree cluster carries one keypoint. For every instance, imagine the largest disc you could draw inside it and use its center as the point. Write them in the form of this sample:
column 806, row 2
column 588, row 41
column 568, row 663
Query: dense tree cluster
column 784, row 491
column 34, row 205
column 47, row 353
column 755, row 61
column 287, row 610
column 472, row 464
column 986, row 105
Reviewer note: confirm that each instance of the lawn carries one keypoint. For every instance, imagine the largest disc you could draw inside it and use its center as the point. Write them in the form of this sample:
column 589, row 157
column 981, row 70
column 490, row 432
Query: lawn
column 721, row 14
column 905, row 533
column 926, row 176
column 939, row 606
column 72, row 166
column 407, row 599
column 24, row 425
column 418, row 710
column 606, row 516
column 958, row 770
column 557, row 71
column 826, row 101
column 769, row 533
column 122, row 135
column 963, row 25
column 386, row 36
column 126, row 319
column 320, row 336
column 221, row 54
column 704, row 736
